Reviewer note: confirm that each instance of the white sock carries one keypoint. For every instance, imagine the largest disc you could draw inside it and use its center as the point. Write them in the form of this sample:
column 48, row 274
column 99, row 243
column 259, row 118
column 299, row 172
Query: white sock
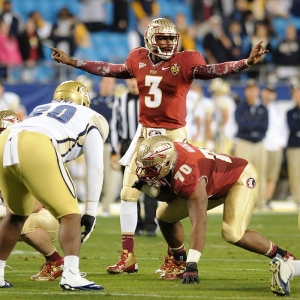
column 296, row 265
column 71, row 262
column 128, row 216
column 2, row 266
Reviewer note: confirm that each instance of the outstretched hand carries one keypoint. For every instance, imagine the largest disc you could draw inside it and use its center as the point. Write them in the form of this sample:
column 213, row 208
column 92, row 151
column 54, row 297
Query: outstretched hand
column 60, row 56
column 256, row 54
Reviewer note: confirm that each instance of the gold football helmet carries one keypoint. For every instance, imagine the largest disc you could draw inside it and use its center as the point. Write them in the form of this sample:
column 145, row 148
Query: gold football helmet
column 161, row 27
column 219, row 87
column 155, row 158
column 72, row 91
column 8, row 118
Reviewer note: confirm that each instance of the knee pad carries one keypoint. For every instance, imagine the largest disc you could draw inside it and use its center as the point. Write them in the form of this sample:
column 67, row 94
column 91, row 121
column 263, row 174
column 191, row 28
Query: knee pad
column 231, row 235
column 42, row 219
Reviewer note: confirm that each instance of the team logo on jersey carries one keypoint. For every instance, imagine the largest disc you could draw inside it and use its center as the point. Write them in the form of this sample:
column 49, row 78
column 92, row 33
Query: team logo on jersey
column 251, row 183
column 175, row 68
column 141, row 65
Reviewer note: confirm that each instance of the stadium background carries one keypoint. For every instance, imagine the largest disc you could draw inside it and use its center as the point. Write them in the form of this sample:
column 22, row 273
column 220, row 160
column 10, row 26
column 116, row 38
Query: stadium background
column 106, row 46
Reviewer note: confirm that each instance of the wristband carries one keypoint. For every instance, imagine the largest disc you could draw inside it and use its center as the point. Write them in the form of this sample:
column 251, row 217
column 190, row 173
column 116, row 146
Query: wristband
column 193, row 256
column 246, row 63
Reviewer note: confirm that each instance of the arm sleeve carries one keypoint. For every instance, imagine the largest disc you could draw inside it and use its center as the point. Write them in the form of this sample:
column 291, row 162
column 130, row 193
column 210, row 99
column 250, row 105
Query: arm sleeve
column 93, row 153
column 220, row 70
column 104, row 69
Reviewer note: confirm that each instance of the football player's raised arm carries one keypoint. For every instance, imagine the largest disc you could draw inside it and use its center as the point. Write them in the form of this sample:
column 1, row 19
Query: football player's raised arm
column 100, row 68
column 220, row 70
column 231, row 67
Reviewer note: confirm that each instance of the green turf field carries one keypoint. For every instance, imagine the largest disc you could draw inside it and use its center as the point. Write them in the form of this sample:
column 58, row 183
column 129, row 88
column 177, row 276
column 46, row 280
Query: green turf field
column 226, row 272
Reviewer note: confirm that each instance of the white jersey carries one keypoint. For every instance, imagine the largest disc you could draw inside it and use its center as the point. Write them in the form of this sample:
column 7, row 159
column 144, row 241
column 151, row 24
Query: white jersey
column 73, row 130
column 67, row 124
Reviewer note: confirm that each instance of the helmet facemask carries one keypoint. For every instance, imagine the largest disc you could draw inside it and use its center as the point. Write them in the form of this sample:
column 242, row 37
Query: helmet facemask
column 161, row 28
column 155, row 159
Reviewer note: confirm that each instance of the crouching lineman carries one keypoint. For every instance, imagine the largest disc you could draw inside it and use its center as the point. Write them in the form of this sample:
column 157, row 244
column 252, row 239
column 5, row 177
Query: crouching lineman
column 193, row 180
column 63, row 130
column 40, row 229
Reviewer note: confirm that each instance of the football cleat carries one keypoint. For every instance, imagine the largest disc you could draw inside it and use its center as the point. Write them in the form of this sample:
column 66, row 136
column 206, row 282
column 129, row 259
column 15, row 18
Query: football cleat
column 49, row 271
column 5, row 284
column 174, row 269
column 164, row 266
column 281, row 274
column 127, row 263
column 71, row 281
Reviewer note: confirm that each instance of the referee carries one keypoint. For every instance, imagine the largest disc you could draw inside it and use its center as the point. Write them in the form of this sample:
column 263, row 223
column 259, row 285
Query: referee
column 124, row 123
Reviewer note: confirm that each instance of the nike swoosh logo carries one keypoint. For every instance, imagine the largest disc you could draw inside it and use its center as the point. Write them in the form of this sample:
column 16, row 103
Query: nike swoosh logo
column 165, row 68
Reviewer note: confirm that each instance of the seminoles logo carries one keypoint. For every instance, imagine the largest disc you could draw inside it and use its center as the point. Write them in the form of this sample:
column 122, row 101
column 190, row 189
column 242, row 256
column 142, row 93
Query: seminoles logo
column 151, row 155
column 250, row 182
column 175, row 68
column 158, row 152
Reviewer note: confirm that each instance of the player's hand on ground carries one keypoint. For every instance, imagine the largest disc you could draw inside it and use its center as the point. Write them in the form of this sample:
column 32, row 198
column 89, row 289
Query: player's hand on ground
column 190, row 274
column 60, row 56
column 89, row 223
column 256, row 54
column 151, row 190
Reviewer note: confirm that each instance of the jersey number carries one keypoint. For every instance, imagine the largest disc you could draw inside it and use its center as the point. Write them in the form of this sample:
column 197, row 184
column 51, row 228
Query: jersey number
column 62, row 113
column 154, row 100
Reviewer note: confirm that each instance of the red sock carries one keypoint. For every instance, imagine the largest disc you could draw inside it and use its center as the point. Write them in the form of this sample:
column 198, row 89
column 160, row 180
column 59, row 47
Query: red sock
column 128, row 242
column 54, row 256
column 179, row 254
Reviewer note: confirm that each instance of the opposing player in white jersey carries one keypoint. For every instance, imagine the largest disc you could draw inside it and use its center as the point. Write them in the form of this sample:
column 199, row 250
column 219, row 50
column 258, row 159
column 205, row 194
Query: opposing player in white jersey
column 40, row 229
column 33, row 154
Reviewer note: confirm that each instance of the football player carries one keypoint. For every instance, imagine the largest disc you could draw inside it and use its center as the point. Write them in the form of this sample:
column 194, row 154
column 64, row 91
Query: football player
column 33, row 154
column 41, row 228
column 192, row 180
column 164, row 78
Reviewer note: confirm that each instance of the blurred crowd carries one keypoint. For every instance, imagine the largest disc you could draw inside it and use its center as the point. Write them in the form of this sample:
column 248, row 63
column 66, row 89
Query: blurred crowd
column 221, row 30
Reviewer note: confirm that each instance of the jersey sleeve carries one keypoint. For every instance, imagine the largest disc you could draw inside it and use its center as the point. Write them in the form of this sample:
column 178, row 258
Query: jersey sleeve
column 191, row 59
column 133, row 59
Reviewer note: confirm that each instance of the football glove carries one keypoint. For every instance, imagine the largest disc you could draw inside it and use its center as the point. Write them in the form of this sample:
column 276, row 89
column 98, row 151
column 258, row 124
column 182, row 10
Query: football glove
column 151, row 190
column 190, row 274
column 89, row 223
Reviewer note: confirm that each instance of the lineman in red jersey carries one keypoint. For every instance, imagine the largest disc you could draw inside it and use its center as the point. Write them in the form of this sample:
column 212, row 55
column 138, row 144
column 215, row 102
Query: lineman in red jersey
column 195, row 180
column 164, row 77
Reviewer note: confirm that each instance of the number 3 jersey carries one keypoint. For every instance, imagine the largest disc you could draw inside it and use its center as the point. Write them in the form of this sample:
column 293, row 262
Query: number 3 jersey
column 193, row 163
column 67, row 124
column 163, row 86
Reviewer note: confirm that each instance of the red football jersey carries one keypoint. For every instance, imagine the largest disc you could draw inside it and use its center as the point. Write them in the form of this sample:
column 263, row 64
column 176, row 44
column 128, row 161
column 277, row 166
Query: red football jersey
column 193, row 163
column 163, row 86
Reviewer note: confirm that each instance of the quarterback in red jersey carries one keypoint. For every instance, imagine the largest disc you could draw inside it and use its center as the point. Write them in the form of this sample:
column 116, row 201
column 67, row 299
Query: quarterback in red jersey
column 199, row 180
column 164, row 77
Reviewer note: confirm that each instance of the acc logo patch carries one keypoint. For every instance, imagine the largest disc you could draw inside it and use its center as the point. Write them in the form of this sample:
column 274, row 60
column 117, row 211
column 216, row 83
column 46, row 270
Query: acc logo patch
column 175, row 68
column 251, row 183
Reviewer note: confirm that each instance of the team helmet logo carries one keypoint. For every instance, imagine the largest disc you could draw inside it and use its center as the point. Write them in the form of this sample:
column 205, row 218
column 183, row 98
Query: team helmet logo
column 84, row 91
column 251, row 183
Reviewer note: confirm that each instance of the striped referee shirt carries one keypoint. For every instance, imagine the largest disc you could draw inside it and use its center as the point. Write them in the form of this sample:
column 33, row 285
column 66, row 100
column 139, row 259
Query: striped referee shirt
column 124, row 121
